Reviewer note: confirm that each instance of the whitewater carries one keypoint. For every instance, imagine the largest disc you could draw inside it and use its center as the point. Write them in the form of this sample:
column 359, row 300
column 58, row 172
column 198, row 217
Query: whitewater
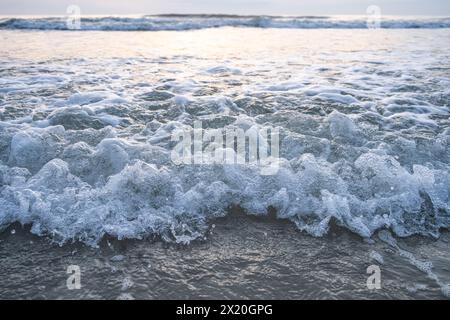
column 86, row 119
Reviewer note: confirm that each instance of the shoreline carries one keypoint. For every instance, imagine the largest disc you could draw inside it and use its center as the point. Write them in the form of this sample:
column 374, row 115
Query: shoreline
column 243, row 257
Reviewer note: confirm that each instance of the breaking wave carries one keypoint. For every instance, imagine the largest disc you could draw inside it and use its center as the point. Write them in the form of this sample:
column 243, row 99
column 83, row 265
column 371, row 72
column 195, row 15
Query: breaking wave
column 85, row 144
column 192, row 22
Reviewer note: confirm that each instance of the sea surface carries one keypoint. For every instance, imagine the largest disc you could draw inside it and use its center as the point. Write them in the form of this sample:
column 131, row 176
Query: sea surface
column 86, row 124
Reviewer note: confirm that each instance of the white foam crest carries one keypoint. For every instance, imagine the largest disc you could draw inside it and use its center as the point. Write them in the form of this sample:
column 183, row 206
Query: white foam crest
column 190, row 22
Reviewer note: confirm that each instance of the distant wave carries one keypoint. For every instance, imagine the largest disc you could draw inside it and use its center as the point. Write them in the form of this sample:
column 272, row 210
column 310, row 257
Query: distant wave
column 193, row 22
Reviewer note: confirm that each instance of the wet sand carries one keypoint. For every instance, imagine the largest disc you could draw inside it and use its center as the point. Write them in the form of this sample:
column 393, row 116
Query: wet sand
column 242, row 258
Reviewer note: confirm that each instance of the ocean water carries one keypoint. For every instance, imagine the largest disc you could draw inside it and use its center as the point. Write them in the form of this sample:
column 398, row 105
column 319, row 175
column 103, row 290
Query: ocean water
column 86, row 118
column 179, row 22
column 244, row 257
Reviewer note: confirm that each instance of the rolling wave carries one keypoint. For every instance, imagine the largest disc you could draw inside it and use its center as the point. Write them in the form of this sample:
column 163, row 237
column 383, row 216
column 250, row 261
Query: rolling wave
column 194, row 22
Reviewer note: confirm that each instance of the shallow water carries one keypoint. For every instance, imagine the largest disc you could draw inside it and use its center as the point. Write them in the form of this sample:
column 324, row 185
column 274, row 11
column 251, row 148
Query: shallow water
column 242, row 258
column 363, row 118
column 86, row 119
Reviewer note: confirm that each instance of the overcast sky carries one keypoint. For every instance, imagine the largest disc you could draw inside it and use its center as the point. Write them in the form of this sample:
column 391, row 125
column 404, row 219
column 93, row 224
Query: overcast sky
column 289, row 7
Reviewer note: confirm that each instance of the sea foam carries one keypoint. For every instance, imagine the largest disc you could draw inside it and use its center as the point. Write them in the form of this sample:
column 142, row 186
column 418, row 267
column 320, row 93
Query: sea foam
column 85, row 143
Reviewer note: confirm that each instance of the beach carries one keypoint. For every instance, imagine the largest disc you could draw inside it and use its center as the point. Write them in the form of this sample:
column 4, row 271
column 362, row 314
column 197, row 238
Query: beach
column 89, row 121
column 241, row 258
